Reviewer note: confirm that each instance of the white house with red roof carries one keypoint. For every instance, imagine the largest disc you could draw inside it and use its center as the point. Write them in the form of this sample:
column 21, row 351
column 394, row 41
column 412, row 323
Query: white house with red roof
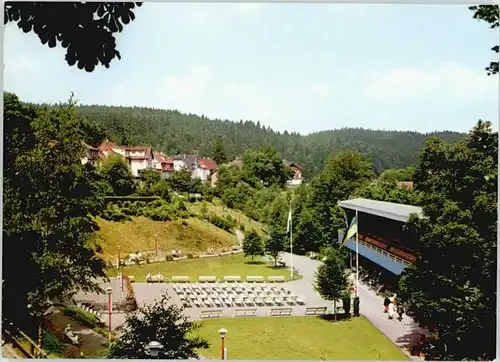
column 162, row 164
column 138, row 157
column 206, row 168
column 296, row 179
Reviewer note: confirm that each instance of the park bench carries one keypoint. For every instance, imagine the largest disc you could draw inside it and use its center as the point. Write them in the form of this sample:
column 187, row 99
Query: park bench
column 180, row 279
column 276, row 278
column 158, row 278
column 205, row 314
column 315, row 310
column 281, row 312
column 245, row 312
column 232, row 279
column 254, row 279
column 207, row 279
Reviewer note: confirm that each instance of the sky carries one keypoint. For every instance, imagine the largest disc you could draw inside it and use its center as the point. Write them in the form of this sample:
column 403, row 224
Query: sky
column 295, row 67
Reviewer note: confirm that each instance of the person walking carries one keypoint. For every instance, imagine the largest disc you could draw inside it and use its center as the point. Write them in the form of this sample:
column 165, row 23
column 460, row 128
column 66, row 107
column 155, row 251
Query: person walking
column 386, row 304
column 390, row 310
column 400, row 310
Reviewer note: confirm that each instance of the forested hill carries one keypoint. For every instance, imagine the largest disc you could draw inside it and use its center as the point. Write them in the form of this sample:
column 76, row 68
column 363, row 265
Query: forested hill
column 174, row 132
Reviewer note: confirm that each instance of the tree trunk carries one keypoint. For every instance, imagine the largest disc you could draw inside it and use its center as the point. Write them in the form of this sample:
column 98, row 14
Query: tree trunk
column 335, row 309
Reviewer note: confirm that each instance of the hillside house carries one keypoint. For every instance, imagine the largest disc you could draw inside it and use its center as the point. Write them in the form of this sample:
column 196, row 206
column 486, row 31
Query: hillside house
column 91, row 155
column 163, row 164
column 138, row 157
column 297, row 179
column 206, row 168
column 185, row 162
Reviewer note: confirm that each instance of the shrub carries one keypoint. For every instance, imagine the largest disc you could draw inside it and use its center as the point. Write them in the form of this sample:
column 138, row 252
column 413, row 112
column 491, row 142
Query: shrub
column 105, row 333
column 220, row 222
column 121, row 199
column 50, row 343
column 114, row 213
column 87, row 319
column 169, row 258
column 190, row 255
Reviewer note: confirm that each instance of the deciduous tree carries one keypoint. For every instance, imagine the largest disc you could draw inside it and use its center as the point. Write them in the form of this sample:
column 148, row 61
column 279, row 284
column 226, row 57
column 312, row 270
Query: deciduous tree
column 252, row 244
column 116, row 172
column 180, row 181
column 265, row 167
column 163, row 322
column 85, row 29
column 489, row 14
column 331, row 278
column 275, row 243
column 50, row 199
column 451, row 289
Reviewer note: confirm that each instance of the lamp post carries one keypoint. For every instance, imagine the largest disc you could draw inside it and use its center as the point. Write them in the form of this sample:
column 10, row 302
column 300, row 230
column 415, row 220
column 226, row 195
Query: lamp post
column 154, row 348
column 109, row 290
column 222, row 333
column 156, row 246
column 120, row 270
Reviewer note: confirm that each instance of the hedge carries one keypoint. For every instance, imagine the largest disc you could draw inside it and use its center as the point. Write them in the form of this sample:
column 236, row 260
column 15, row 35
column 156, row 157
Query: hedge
column 131, row 198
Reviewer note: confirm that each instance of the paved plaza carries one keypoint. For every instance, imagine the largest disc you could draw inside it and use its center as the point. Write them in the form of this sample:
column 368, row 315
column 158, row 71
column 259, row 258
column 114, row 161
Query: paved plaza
column 403, row 334
column 147, row 293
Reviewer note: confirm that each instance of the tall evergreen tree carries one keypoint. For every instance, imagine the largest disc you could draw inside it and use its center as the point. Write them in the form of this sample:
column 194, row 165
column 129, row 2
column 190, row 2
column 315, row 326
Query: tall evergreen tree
column 218, row 153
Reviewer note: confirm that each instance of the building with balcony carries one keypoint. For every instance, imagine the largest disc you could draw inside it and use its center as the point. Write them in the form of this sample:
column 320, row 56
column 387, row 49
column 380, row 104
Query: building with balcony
column 382, row 241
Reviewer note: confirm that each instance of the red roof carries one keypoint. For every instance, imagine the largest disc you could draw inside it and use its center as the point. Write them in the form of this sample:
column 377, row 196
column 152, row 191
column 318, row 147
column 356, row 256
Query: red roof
column 207, row 163
column 162, row 158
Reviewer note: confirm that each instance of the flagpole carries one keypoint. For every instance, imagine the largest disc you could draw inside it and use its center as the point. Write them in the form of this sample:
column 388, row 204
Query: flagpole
column 357, row 256
column 291, row 243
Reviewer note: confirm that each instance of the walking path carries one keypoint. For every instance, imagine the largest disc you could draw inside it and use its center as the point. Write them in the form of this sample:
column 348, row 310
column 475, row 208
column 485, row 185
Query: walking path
column 403, row 334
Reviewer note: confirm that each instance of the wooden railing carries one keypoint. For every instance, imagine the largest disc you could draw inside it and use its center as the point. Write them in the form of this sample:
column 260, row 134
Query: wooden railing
column 386, row 246
column 385, row 253
column 22, row 342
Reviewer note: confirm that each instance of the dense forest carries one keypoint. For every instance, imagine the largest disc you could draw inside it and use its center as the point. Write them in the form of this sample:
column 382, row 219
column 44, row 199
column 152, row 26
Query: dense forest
column 173, row 132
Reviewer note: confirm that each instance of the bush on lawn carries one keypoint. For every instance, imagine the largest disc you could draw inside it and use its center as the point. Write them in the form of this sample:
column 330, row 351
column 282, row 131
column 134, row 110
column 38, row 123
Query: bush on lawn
column 113, row 213
column 169, row 258
column 87, row 319
column 220, row 222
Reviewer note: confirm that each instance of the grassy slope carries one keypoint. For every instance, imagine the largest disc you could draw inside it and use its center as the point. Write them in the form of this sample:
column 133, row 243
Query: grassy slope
column 219, row 210
column 218, row 266
column 190, row 235
column 296, row 338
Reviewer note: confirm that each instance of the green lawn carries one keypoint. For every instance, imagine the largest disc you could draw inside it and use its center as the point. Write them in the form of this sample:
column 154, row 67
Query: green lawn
column 219, row 266
column 295, row 338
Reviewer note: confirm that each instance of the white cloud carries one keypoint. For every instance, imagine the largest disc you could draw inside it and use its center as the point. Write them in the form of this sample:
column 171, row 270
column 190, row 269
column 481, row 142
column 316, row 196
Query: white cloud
column 453, row 81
